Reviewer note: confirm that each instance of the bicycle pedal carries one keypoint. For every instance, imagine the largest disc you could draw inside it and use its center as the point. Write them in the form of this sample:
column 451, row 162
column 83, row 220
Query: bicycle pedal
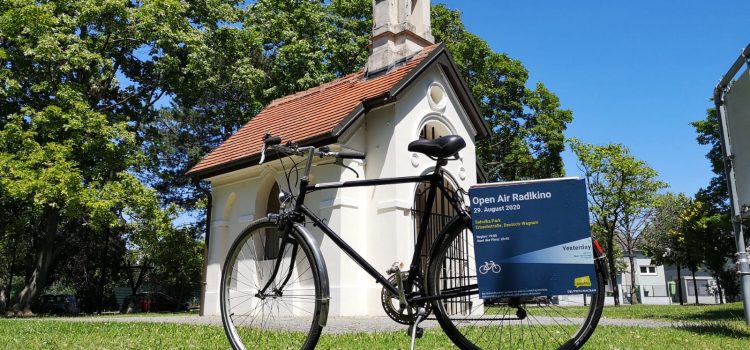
column 418, row 334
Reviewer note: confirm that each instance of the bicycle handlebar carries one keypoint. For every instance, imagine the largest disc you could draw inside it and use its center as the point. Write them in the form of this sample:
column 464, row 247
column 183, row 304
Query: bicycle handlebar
column 351, row 155
column 271, row 140
column 291, row 148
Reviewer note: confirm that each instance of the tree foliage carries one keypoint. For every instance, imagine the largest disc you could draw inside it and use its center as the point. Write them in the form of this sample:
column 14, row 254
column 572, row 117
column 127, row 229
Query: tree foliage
column 661, row 239
column 715, row 195
column 527, row 124
column 713, row 226
column 276, row 48
column 78, row 79
column 104, row 105
column 292, row 46
column 621, row 192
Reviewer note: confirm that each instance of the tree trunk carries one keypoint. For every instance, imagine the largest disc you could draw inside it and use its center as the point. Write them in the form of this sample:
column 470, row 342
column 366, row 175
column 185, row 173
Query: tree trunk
column 718, row 289
column 695, row 285
column 679, row 285
column 48, row 250
column 633, row 289
column 9, row 285
column 136, row 284
column 103, row 273
column 3, row 301
column 613, row 270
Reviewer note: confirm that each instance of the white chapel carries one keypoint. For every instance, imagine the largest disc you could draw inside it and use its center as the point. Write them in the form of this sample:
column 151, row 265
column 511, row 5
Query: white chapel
column 409, row 89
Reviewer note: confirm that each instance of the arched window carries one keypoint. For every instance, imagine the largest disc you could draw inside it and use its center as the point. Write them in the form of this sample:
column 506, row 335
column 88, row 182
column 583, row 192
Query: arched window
column 273, row 236
column 459, row 257
column 433, row 130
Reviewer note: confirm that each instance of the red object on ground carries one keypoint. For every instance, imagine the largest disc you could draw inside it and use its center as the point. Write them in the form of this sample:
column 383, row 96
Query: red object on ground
column 145, row 304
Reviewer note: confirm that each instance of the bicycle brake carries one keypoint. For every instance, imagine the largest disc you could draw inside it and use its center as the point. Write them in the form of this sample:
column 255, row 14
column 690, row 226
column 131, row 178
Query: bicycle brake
column 340, row 162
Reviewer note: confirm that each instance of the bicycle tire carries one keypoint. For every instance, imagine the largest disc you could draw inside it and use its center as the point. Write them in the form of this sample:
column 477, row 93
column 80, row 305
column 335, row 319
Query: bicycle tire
column 499, row 324
column 289, row 319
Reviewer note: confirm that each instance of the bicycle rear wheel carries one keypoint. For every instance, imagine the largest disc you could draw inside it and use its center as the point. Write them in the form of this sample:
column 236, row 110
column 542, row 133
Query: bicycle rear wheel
column 286, row 315
column 556, row 322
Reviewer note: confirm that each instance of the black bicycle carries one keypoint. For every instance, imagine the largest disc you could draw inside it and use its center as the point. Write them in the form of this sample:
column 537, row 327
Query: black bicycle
column 275, row 294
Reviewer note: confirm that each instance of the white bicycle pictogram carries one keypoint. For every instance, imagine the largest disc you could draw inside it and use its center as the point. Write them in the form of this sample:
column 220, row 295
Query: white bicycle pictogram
column 490, row 266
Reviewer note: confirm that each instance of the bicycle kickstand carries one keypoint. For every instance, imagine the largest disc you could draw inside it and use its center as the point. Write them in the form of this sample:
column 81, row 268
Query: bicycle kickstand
column 415, row 330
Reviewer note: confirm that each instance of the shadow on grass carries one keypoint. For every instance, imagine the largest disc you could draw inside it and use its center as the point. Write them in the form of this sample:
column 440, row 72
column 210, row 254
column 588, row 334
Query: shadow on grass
column 723, row 315
column 103, row 315
column 717, row 328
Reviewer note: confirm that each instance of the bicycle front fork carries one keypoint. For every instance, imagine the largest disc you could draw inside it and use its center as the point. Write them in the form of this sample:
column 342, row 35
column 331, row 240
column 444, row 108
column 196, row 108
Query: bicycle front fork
column 277, row 291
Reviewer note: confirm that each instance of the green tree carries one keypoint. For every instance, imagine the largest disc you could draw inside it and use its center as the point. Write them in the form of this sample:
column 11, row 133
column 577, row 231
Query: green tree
column 78, row 80
column 715, row 195
column 527, row 124
column 715, row 220
column 621, row 191
column 708, row 241
column 277, row 48
column 717, row 247
column 661, row 238
column 290, row 46
column 177, row 262
column 692, row 228
column 83, row 83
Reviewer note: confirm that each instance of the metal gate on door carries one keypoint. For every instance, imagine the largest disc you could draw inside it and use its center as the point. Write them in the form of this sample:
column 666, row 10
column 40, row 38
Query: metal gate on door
column 457, row 271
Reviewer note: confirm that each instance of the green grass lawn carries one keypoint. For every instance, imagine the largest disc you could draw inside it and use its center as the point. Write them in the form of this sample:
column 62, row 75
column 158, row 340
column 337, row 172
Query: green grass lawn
column 726, row 312
column 712, row 327
column 678, row 313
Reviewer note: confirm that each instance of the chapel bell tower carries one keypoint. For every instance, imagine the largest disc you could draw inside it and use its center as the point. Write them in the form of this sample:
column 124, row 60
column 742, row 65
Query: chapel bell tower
column 400, row 29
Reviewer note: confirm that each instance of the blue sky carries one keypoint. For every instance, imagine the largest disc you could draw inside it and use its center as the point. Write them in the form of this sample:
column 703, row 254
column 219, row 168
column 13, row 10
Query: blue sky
column 633, row 72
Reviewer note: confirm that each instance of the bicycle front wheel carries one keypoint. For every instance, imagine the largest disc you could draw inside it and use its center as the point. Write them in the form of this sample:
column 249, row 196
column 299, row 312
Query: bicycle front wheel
column 549, row 322
column 263, row 309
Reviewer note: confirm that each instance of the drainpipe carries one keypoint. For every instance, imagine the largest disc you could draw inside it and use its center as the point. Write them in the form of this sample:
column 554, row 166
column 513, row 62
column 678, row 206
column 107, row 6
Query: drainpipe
column 743, row 267
column 205, row 250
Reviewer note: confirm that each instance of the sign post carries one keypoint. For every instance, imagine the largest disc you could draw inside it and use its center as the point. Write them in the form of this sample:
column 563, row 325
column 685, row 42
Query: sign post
column 733, row 107
column 532, row 238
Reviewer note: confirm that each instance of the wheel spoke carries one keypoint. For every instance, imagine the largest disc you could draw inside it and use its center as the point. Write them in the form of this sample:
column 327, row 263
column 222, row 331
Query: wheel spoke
column 506, row 323
column 255, row 319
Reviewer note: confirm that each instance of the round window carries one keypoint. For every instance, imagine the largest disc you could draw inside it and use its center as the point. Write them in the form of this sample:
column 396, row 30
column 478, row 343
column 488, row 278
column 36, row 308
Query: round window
column 436, row 94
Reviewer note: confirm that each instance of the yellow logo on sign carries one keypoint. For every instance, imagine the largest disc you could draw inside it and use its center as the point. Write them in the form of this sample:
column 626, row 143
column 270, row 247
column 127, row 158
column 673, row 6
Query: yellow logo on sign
column 584, row 281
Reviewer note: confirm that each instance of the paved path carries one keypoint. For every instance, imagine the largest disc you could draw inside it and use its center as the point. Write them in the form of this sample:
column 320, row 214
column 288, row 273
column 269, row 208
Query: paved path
column 345, row 324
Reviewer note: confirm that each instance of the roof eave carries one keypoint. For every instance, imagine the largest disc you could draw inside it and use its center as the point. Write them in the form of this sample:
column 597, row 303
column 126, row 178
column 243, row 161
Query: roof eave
column 252, row 160
column 438, row 55
column 464, row 94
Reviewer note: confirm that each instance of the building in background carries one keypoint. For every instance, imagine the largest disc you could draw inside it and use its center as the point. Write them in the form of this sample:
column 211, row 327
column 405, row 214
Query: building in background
column 658, row 284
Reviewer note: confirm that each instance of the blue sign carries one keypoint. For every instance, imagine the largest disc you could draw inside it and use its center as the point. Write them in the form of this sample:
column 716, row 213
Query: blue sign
column 532, row 238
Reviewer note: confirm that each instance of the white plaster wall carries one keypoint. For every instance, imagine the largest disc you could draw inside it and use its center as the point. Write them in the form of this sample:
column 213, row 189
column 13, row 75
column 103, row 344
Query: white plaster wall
column 655, row 284
column 375, row 221
column 233, row 209
column 389, row 130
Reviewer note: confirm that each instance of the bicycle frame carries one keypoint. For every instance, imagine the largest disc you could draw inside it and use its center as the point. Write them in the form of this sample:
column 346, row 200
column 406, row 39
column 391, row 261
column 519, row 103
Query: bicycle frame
column 435, row 179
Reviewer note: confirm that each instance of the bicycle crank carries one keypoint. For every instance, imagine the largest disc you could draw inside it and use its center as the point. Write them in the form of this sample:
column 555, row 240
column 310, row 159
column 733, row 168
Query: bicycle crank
column 392, row 304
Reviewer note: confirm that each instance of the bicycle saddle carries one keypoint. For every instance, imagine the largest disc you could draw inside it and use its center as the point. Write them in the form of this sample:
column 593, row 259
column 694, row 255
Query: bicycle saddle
column 442, row 147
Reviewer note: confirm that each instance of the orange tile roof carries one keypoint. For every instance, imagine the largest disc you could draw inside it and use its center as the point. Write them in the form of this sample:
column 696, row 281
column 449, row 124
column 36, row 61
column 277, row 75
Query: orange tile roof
column 307, row 114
